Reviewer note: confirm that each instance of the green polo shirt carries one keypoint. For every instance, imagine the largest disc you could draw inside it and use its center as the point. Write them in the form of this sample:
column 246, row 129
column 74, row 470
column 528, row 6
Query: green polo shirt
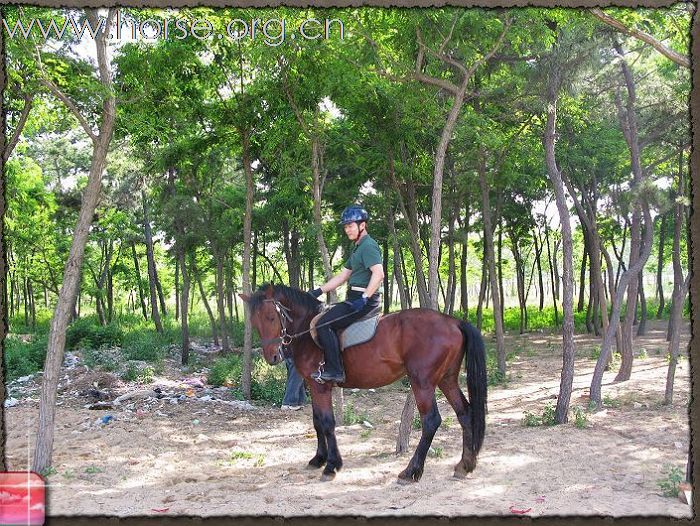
column 364, row 255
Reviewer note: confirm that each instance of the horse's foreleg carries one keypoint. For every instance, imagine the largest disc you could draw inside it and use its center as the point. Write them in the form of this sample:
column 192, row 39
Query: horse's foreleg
column 455, row 396
column 324, row 423
column 430, row 422
column 321, row 456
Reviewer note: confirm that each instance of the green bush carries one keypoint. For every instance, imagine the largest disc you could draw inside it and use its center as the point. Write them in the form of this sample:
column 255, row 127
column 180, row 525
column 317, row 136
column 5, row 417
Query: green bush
column 86, row 333
column 267, row 382
column 669, row 484
column 147, row 346
column 23, row 358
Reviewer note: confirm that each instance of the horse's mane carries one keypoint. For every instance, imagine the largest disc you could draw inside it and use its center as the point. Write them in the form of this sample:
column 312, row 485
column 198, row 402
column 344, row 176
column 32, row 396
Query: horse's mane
column 296, row 296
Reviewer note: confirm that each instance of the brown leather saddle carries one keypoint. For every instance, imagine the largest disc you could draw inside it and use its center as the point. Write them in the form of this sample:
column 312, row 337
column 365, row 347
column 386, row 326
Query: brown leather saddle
column 361, row 331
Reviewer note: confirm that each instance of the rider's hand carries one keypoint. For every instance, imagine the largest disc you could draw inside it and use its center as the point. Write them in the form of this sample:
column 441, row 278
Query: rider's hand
column 316, row 293
column 359, row 303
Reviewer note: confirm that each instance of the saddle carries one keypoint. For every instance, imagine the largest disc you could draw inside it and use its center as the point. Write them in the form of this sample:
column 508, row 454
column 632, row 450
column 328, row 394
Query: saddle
column 361, row 331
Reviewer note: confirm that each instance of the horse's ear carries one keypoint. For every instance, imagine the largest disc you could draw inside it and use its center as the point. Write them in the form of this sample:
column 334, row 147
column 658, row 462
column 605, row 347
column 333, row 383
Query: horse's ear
column 244, row 297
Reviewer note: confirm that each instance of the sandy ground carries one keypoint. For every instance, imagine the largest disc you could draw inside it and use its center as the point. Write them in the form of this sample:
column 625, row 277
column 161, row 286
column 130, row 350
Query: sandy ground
column 206, row 458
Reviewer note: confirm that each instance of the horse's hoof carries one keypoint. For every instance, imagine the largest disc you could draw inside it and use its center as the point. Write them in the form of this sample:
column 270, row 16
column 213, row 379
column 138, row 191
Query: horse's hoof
column 327, row 477
column 460, row 471
column 406, row 477
column 405, row 482
column 315, row 463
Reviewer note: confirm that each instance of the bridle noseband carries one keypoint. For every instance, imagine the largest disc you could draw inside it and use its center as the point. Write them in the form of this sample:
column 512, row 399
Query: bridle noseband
column 284, row 338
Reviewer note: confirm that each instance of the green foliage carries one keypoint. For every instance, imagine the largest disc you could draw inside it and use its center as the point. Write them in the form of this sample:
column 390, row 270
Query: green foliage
column 580, row 418
column 351, row 416
column 546, row 419
column 86, row 333
column 268, row 382
column 23, row 358
column 416, row 424
column 436, row 452
column 609, row 401
column 670, row 482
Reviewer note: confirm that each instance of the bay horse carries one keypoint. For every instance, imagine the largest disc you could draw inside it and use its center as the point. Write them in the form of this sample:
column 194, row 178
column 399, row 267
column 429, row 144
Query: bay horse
column 423, row 344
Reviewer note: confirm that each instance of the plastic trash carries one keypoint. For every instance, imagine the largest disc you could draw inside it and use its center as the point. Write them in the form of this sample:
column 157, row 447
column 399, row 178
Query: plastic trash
column 107, row 419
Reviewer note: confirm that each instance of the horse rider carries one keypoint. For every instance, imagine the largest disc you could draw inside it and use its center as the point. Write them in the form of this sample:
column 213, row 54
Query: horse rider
column 364, row 273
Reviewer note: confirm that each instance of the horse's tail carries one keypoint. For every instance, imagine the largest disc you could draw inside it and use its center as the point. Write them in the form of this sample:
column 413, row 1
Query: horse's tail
column 476, row 381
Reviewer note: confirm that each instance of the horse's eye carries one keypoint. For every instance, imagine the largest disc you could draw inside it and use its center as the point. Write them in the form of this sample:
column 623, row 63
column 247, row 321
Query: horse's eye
column 270, row 318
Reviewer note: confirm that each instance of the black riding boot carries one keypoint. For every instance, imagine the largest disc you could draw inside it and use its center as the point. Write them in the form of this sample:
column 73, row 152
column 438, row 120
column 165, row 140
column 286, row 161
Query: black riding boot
column 332, row 369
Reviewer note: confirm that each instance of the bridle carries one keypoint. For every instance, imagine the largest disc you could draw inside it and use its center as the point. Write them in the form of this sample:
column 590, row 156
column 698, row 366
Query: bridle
column 286, row 339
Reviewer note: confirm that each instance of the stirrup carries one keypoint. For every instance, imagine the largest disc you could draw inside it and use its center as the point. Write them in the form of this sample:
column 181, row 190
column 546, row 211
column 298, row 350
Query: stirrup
column 317, row 375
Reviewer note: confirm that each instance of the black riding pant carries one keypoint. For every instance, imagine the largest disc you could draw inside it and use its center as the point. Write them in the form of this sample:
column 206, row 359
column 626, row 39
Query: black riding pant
column 340, row 316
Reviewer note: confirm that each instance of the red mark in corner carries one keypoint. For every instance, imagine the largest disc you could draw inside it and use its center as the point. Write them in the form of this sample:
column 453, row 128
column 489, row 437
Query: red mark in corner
column 22, row 498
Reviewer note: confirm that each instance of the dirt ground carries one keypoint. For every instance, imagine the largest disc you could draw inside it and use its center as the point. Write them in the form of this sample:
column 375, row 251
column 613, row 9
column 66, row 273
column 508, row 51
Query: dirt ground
column 204, row 456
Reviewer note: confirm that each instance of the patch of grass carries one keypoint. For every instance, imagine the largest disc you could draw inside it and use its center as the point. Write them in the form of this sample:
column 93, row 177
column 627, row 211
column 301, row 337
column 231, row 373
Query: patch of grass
column 643, row 354
column 670, row 482
column 93, row 470
column 531, row 419
column 235, row 456
column 351, row 416
column 365, row 433
column 436, row 452
column 416, row 424
column 142, row 375
column 48, row 471
column 595, row 352
column 547, row 419
column 580, row 418
column 609, row 401
column 447, row 422
column 68, row 474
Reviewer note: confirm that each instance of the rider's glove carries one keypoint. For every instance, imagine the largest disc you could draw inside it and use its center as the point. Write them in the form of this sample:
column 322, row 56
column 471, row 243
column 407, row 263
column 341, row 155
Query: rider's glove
column 316, row 292
column 359, row 303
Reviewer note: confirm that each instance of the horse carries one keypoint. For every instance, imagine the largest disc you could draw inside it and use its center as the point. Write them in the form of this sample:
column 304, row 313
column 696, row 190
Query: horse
column 423, row 344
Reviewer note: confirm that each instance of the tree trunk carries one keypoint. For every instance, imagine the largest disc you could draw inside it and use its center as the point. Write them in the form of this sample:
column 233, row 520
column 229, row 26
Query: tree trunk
column 220, row 303
column 184, row 304
column 396, row 252
column 551, row 274
column 491, row 262
column 71, row 275
column 155, row 315
column 387, row 294
column 205, row 301
column 177, row 289
column 660, row 267
column 316, row 169
column 680, row 288
column 642, row 328
column 161, row 297
column 567, row 373
column 138, row 279
column 500, row 266
column 628, row 123
column 582, row 278
column 247, row 229
column 538, row 259
column 464, row 295
column 482, row 292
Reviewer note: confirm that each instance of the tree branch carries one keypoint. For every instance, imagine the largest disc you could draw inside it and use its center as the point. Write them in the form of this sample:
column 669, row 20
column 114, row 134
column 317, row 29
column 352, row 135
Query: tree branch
column 28, row 100
column 644, row 37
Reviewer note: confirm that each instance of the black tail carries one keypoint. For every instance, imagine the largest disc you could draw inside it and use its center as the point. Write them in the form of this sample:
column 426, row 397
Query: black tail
column 476, row 381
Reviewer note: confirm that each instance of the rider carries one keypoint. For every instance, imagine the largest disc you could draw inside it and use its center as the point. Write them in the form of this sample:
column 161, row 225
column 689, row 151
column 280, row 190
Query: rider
column 365, row 272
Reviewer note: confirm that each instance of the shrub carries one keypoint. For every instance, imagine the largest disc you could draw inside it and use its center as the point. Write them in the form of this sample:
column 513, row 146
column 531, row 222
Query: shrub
column 86, row 333
column 23, row 358
column 669, row 484
column 267, row 382
column 580, row 418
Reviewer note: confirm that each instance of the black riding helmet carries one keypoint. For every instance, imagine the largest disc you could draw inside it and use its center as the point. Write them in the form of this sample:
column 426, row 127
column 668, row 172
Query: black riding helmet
column 353, row 214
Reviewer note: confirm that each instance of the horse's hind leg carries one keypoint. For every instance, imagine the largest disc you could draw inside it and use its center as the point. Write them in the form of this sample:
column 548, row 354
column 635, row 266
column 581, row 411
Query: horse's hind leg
column 430, row 422
column 450, row 388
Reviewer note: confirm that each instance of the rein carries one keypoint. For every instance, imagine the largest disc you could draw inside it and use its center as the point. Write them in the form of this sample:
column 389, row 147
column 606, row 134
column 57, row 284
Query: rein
column 286, row 339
